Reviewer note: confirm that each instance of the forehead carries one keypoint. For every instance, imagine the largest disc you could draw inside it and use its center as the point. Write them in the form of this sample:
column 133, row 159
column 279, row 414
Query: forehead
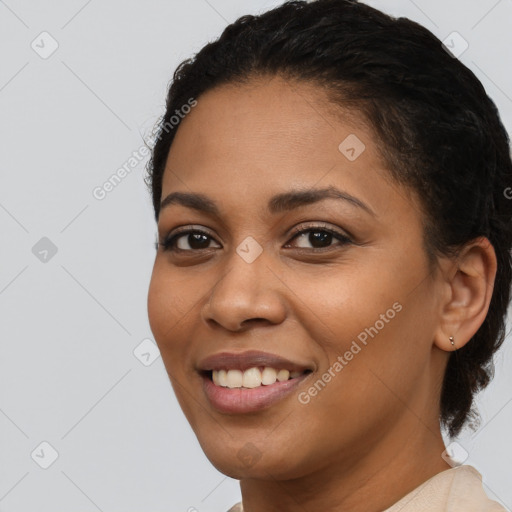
column 263, row 137
column 286, row 116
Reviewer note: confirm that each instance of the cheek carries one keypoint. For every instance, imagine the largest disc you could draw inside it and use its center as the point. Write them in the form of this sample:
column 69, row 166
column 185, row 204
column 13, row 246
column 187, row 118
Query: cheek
column 166, row 310
column 156, row 305
column 360, row 389
column 345, row 301
column 173, row 311
column 167, row 301
column 368, row 316
column 165, row 313
column 378, row 365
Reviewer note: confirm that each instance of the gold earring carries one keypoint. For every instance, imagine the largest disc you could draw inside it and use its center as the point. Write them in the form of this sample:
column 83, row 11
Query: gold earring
column 452, row 341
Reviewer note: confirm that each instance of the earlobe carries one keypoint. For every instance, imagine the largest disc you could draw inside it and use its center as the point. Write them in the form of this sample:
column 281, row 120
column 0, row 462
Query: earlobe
column 471, row 287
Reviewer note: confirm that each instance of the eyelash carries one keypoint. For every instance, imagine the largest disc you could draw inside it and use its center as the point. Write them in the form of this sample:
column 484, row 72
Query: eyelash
column 169, row 242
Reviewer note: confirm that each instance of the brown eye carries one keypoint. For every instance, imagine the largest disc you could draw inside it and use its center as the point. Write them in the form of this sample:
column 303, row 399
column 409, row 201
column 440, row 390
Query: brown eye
column 188, row 241
column 319, row 238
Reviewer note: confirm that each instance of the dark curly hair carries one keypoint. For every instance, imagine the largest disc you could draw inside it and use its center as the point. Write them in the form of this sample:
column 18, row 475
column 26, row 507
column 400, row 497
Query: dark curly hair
column 439, row 133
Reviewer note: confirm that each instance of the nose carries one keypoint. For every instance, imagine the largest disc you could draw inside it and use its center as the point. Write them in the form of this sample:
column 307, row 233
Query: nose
column 247, row 294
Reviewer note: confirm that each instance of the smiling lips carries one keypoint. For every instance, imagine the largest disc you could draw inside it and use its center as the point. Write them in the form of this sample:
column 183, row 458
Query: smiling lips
column 249, row 381
column 251, row 378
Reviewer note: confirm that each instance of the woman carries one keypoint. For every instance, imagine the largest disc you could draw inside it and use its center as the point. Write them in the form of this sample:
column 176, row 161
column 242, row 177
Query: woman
column 333, row 267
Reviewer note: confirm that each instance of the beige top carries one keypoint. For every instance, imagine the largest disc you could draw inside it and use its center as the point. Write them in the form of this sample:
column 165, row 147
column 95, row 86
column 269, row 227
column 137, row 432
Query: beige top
column 457, row 489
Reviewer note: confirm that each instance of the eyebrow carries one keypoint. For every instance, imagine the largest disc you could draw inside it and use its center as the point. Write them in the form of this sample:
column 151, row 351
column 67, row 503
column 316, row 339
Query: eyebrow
column 279, row 203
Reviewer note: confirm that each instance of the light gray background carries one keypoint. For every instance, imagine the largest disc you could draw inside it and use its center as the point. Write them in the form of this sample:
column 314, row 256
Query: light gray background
column 70, row 325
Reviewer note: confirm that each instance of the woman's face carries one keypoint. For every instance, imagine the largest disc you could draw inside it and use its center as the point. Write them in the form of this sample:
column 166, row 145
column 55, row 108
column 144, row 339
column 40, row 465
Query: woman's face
column 348, row 305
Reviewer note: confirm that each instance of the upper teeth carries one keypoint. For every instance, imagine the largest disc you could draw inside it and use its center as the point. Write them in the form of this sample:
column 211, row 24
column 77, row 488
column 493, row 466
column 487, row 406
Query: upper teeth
column 251, row 378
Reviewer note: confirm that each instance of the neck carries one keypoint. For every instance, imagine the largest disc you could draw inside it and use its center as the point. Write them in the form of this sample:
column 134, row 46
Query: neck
column 392, row 468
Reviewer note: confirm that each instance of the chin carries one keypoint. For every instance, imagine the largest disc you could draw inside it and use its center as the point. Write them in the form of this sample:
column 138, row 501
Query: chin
column 245, row 460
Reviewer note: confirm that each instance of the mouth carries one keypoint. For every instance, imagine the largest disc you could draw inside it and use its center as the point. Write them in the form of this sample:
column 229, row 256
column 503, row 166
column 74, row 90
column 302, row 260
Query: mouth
column 249, row 381
column 251, row 378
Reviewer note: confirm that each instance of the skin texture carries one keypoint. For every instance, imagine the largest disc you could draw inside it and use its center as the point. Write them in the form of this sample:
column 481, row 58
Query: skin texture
column 372, row 433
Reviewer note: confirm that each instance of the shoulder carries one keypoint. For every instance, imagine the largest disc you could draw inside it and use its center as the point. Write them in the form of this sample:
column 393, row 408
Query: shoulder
column 456, row 489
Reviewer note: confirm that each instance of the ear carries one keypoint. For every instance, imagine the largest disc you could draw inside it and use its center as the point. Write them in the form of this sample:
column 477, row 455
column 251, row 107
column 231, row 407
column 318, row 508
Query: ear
column 470, row 283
